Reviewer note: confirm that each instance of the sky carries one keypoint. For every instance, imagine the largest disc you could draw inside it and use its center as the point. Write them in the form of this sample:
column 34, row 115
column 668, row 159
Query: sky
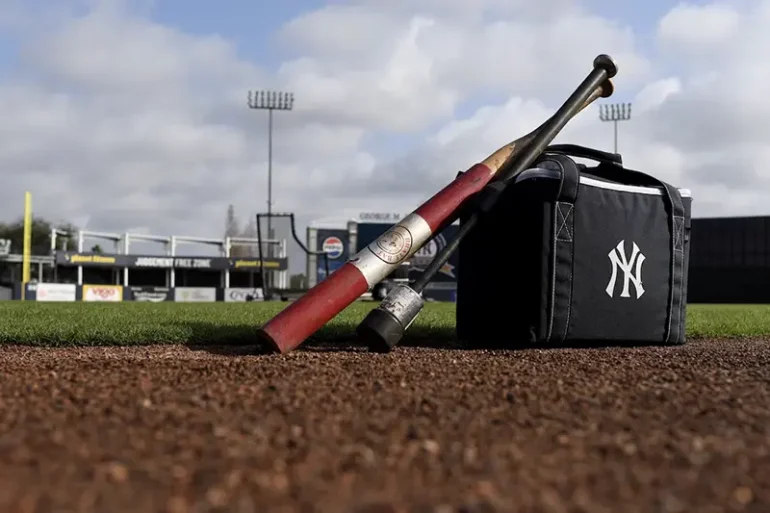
column 123, row 115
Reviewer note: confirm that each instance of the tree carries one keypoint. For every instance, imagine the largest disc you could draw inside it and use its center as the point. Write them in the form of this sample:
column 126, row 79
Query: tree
column 232, row 230
column 97, row 248
column 231, row 223
column 41, row 235
column 297, row 281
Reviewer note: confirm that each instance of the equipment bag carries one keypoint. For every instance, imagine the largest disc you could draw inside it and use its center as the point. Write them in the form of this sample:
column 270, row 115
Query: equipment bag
column 573, row 254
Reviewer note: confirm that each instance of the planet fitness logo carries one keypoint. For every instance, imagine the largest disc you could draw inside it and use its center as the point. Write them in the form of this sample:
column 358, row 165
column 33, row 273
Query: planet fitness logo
column 333, row 247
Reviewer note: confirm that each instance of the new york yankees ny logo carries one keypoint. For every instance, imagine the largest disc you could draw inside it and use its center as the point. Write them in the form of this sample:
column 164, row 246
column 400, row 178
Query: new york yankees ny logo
column 630, row 274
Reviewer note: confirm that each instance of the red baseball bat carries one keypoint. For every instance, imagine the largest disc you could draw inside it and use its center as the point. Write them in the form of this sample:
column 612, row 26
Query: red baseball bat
column 302, row 318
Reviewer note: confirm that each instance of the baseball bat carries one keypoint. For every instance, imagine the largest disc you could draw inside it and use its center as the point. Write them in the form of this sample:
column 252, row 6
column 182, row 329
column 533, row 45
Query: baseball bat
column 384, row 326
column 302, row 318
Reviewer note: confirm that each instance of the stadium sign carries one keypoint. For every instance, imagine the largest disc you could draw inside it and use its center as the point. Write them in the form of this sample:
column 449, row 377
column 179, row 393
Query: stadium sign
column 195, row 294
column 68, row 259
column 55, row 291
column 112, row 293
column 168, row 262
column 150, row 294
column 428, row 252
column 243, row 294
column 333, row 247
column 270, row 264
column 88, row 259
column 379, row 217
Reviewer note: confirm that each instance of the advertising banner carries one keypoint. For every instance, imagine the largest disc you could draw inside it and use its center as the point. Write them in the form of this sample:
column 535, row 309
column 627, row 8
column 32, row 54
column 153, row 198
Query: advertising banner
column 448, row 272
column 271, row 264
column 113, row 293
column 69, row 259
column 161, row 262
column 149, row 294
column 336, row 244
column 244, row 294
column 443, row 295
column 195, row 294
column 55, row 291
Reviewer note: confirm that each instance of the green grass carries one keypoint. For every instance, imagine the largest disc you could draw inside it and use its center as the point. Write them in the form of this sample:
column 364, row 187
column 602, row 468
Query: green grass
column 64, row 324
column 728, row 321
column 60, row 324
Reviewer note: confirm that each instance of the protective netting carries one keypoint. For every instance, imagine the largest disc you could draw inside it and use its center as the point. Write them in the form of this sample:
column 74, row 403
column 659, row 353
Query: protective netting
column 275, row 232
column 293, row 249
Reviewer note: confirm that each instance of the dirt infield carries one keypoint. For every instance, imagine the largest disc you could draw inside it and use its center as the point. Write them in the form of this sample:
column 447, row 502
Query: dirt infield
column 197, row 429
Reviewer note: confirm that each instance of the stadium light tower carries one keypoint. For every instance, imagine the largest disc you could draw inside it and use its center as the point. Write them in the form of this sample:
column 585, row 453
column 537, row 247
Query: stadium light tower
column 615, row 112
column 270, row 101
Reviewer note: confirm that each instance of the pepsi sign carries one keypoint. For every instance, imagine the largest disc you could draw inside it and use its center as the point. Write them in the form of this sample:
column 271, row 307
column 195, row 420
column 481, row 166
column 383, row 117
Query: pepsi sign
column 333, row 242
column 333, row 246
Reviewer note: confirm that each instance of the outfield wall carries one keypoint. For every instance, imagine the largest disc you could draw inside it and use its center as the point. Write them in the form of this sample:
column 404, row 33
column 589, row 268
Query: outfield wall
column 729, row 260
column 70, row 292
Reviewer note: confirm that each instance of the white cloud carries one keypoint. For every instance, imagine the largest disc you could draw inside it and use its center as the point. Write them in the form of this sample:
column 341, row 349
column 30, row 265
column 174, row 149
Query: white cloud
column 119, row 120
column 406, row 67
column 652, row 96
column 699, row 26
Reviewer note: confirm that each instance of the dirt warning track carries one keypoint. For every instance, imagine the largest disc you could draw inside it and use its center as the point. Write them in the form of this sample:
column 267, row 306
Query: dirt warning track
column 182, row 429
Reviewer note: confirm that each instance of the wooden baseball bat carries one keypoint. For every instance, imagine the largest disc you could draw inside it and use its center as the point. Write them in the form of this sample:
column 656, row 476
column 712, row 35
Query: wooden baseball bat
column 302, row 318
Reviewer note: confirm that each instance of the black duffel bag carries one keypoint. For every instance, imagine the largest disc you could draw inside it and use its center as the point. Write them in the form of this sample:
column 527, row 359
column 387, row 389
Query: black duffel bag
column 574, row 255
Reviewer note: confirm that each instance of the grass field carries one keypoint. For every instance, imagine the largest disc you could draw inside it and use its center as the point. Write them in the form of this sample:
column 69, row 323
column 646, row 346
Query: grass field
column 88, row 324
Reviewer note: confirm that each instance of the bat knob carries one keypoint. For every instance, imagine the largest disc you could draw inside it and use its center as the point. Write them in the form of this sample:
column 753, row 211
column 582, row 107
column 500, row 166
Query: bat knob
column 607, row 88
column 384, row 326
column 606, row 63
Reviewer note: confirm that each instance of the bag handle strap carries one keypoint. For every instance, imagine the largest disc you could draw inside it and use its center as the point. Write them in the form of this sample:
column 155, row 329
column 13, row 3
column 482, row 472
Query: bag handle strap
column 562, row 248
column 626, row 176
column 575, row 150
column 677, row 286
column 607, row 168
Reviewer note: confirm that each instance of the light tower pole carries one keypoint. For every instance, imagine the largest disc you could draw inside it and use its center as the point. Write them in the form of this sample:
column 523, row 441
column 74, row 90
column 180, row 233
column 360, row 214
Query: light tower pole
column 270, row 101
column 615, row 112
